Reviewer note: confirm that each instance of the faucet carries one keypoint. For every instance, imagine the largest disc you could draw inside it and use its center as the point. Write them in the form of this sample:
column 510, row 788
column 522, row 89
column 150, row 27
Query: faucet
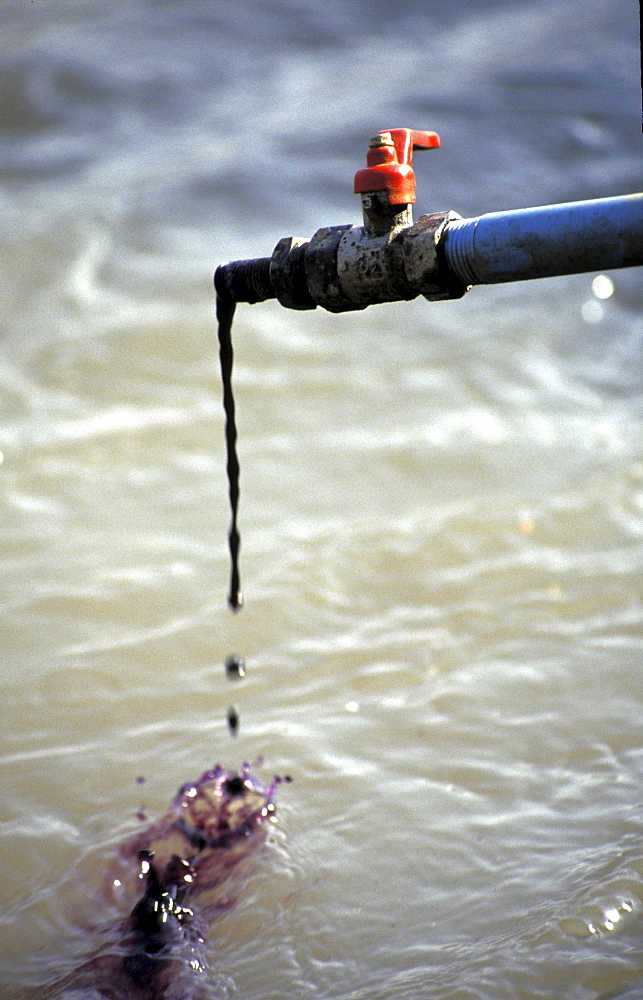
column 391, row 258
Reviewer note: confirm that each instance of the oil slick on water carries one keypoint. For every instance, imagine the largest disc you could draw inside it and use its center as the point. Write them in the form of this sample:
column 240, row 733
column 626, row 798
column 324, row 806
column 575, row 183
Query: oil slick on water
column 170, row 880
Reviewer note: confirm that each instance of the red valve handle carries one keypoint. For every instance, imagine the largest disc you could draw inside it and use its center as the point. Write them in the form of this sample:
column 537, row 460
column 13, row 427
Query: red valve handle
column 389, row 160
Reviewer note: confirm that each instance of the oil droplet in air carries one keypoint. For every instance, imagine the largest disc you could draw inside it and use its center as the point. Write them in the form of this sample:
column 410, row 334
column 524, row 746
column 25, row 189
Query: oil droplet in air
column 235, row 666
column 233, row 720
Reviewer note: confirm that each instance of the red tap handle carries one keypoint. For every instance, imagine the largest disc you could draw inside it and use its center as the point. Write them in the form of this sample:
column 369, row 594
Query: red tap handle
column 389, row 160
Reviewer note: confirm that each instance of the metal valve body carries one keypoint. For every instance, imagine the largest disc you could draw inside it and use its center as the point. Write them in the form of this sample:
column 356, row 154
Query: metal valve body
column 341, row 268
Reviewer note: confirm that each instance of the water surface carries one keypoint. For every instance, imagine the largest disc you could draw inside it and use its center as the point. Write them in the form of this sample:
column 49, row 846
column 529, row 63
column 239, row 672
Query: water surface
column 441, row 504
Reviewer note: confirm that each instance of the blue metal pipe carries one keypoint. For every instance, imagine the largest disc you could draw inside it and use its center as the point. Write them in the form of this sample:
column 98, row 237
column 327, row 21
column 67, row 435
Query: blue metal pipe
column 540, row 242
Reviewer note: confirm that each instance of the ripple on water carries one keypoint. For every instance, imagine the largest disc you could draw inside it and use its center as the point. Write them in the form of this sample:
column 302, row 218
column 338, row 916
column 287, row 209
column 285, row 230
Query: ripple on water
column 610, row 901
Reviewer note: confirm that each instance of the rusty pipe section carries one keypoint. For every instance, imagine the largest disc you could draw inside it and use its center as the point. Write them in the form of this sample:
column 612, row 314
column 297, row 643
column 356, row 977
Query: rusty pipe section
column 440, row 256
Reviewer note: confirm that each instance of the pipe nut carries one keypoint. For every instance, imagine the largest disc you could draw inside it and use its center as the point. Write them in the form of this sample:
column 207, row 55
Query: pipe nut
column 288, row 275
column 322, row 269
column 424, row 263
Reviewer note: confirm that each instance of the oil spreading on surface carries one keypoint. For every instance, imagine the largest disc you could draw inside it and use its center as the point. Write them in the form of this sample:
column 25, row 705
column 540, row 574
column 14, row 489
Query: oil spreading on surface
column 172, row 879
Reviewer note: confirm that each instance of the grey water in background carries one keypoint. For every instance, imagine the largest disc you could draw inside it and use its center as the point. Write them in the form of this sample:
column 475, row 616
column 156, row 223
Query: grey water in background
column 441, row 504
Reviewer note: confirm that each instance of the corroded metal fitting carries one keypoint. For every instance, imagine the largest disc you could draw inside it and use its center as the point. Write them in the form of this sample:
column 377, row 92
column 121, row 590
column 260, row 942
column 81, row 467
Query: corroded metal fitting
column 322, row 275
column 343, row 268
column 424, row 260
column 288, row 275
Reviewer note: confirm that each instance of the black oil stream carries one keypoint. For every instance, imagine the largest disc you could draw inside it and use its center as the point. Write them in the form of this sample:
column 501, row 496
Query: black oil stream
column 225, row 315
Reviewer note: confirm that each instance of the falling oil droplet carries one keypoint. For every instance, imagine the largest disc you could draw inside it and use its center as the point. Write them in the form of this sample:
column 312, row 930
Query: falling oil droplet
column 233, row 720
column 235, row 666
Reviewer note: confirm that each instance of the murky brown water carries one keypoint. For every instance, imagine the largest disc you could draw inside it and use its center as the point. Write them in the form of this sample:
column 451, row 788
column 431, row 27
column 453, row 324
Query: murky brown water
column 441, row 508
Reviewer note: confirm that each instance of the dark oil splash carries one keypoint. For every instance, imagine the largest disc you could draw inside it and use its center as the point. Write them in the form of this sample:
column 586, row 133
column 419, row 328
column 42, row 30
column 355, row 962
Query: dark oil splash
column 172, row 879
column 225, row 315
